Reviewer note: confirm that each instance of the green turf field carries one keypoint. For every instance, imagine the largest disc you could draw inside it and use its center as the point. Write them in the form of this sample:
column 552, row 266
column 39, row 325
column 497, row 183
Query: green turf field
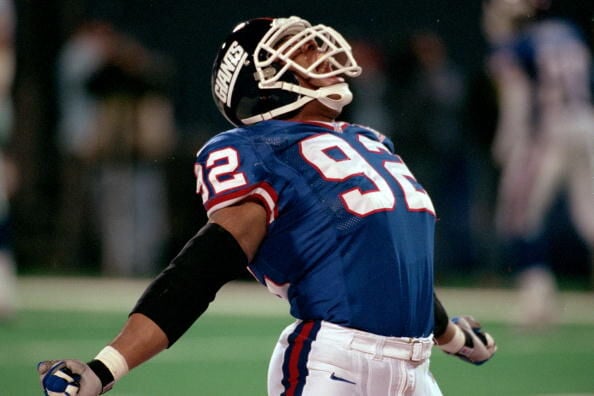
column 226, row 352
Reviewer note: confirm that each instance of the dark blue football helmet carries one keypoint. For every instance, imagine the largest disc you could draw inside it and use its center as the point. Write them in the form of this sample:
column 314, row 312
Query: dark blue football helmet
column 254, row 77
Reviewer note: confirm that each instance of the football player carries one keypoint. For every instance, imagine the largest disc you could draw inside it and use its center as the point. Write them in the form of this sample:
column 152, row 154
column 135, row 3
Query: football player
column 321, row 212
column 545, row 138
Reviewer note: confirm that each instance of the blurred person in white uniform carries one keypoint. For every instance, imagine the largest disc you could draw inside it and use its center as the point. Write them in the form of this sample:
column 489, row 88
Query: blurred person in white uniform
column 544, row 144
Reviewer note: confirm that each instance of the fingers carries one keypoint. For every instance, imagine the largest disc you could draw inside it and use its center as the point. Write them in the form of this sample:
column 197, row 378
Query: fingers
column 47, row 365
column 491, row 344
column 43, row 367
column 471, row 324
column 58, row 378
column 485, row 338
column 68, row 377
column 483, row 345
column 76, row 366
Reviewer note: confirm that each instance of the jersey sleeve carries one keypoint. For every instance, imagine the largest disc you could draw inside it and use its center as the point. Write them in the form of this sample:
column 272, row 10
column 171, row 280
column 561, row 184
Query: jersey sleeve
column 230, row 170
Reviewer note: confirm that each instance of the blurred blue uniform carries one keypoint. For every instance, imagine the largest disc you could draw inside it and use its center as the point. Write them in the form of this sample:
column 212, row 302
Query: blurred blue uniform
column 554, row 54
column 546, row 132
column 350, row 235
column 545, row 146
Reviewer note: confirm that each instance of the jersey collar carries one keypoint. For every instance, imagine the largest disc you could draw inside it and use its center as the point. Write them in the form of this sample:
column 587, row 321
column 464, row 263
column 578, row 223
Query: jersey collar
column 336, row 126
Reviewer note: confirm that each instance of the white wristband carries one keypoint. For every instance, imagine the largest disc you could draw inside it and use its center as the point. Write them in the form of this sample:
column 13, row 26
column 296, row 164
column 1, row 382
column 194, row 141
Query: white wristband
column 114, row 361
column 456, row 343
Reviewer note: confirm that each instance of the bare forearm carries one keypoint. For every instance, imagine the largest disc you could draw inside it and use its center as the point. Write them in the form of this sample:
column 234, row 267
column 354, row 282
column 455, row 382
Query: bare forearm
column 140, row 340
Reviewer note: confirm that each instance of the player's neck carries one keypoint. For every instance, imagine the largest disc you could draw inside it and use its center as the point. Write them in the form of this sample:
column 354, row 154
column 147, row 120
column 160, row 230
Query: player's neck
column 315, row 111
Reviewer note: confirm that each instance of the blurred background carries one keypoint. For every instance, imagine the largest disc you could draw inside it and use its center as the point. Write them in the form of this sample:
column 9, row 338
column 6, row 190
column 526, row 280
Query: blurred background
column 110, row 100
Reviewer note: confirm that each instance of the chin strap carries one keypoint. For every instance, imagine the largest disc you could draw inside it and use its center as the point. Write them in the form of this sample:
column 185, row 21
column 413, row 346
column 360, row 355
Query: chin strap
column 334, row 97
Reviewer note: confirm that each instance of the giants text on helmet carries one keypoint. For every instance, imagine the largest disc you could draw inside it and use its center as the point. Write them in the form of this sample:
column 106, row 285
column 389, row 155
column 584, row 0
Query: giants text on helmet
column 228, row 71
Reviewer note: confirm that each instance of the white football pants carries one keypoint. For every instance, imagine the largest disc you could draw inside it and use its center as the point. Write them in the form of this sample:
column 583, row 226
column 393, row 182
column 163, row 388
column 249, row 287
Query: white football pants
column 560, row 160
column 316, row 358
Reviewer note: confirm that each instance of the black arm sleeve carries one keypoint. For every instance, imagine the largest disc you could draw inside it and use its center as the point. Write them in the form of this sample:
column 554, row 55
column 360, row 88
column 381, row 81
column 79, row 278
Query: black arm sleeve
column 441, row 317
column 183, row 291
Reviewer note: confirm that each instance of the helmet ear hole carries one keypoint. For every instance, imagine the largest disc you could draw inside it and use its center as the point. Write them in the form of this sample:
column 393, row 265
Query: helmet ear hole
column 270, row 100
column 261, row 101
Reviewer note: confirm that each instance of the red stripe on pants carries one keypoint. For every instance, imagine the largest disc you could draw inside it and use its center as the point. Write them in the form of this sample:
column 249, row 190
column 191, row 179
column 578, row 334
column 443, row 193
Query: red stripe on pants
column 294, row 358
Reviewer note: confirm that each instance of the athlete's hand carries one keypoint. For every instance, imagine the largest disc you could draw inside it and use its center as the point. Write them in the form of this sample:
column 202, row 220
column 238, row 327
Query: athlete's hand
column 471, row 343
column 68, row 378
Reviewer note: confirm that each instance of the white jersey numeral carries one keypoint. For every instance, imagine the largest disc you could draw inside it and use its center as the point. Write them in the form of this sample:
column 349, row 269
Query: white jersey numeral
column 200, row 187
column 348, row 163
column 336, row 160
column 417, row 200
column 223, row 175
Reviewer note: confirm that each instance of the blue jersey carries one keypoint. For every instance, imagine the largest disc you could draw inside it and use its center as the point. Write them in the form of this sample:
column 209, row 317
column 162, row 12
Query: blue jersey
column 350, row 231
column 556, row 58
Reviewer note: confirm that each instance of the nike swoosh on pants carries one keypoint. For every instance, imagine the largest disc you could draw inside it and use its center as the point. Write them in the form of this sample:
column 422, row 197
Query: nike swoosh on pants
column 336, row 378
